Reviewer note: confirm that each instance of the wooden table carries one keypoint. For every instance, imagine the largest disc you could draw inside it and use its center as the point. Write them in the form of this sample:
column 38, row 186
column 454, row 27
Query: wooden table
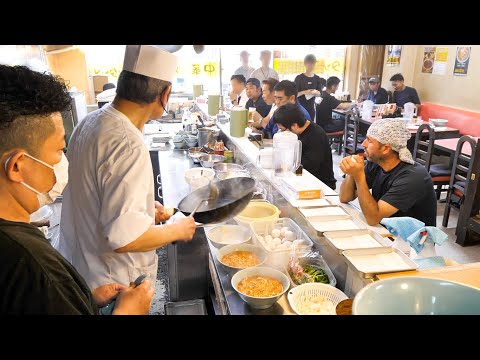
column 468, row 274
column 450, row 146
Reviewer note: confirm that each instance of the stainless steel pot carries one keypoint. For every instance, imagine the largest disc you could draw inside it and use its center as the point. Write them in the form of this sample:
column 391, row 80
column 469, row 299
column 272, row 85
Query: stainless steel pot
column 205, row 136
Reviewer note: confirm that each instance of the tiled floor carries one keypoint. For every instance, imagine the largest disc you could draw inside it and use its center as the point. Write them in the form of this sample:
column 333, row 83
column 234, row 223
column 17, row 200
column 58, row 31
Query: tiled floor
column 450, row 249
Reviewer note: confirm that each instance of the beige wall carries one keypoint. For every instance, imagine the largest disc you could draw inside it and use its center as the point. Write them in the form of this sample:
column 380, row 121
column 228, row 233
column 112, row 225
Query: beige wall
column 72, row 67
column 460, row 92
column 352, row 69
column 406, row 67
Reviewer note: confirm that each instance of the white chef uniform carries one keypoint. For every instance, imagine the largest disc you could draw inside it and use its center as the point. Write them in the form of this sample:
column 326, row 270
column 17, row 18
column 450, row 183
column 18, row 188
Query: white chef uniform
column 243, row 98
column 109, row 200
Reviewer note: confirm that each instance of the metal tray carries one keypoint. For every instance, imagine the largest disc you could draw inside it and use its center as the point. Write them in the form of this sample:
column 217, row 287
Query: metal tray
column 316, row 219
column 321, row 210
column 189, row 307
column 351, row 254
column 330, row 235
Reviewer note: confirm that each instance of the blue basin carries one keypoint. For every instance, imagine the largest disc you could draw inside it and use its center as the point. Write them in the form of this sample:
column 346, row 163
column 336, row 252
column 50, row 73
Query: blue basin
column 409, row 295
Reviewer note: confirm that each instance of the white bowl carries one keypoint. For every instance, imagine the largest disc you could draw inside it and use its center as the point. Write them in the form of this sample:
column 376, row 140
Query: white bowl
column 223, row 235
column 260, row 302
column 439, row 122
column 198, row 177
column 257, row 250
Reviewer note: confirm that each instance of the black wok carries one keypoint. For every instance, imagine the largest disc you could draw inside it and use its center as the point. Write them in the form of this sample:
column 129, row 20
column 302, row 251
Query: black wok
column 233, row 196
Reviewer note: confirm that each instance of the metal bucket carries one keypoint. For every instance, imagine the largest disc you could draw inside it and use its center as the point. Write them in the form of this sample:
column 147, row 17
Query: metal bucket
column 205, row 136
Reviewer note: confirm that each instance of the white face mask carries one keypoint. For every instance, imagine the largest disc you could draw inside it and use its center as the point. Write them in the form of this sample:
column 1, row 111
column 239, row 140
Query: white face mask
column 61, row 174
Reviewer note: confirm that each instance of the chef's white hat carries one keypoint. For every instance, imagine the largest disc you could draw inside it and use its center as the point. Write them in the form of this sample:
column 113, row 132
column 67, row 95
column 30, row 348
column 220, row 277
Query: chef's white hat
column 150, row 61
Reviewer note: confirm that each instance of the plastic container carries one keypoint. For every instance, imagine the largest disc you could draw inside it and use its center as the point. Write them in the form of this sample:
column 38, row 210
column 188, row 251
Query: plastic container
column 279, row 258
column 189, row 307
column 303, row 293
column 319, row 262
column 257, row 212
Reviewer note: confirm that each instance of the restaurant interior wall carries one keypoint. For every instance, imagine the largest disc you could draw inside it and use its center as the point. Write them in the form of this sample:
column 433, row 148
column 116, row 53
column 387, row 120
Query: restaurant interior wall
column 456, row 91
column 450, row 90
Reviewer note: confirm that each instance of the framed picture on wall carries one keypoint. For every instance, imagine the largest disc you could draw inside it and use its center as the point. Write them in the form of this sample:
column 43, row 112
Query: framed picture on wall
column 394, row 54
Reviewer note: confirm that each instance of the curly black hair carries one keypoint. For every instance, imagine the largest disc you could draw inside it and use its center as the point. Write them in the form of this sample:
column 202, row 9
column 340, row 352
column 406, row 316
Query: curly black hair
column 24, row 92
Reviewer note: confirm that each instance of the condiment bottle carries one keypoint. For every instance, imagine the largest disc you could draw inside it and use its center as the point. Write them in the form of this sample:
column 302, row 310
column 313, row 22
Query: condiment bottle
column 219, row 148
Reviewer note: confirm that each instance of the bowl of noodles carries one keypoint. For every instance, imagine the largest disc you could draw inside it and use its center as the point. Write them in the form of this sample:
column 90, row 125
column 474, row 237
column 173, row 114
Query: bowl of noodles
column 260, row 287
column 241, row 256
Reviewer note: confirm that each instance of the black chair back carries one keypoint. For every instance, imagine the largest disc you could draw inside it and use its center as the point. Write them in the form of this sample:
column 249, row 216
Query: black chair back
column 423, row 149
column 350, row 136
column 461, row 175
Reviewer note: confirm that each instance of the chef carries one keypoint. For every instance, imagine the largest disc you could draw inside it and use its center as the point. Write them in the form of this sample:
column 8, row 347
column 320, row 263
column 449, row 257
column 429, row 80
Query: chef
column 109, row 213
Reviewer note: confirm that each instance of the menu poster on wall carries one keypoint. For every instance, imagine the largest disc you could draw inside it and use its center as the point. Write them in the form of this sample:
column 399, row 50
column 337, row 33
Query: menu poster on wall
column 441, row 57
column 461, row 60
column 428, row 59
column 394, row 54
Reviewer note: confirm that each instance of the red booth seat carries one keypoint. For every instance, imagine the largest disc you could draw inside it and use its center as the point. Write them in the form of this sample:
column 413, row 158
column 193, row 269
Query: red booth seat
column 468, row 122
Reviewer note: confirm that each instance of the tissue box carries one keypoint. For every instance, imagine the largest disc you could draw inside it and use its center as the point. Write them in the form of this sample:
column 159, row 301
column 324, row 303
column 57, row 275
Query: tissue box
column 301, row 188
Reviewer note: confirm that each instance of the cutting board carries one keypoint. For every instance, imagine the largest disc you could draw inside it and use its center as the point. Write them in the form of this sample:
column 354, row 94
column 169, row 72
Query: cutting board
column 468, row 274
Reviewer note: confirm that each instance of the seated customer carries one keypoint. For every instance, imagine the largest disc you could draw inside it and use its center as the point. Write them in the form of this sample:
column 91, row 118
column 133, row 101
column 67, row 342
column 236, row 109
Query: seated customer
column 400, row 186
column 34, row 277
column 268, row 96
column 316, row 153
column 254, row 94
column 238, row 95
column 328, row 103
column 403, row 94
column 285, row 93
column 377, row 94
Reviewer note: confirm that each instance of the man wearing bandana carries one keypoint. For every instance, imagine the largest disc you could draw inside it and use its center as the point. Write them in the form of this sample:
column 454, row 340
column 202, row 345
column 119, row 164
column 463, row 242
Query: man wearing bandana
column 400, row 187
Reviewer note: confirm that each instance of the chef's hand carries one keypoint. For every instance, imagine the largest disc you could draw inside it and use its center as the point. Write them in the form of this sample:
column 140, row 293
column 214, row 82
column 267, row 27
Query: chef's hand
column 352, row 165
column 161, row 214
column 315, row 92
column 105, row 294
column 186, row 228
column 134, row 300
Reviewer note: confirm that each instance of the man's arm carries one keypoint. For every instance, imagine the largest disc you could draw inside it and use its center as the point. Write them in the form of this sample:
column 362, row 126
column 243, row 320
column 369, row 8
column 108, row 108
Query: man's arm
column 374, row 212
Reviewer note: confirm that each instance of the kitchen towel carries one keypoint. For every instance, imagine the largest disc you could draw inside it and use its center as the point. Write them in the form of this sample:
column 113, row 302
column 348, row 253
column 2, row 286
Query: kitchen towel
column 434, row 235
column 402, row 226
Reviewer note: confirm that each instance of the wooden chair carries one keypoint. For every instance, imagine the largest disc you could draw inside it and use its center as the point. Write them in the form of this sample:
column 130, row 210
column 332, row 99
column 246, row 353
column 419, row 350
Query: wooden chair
column 422, row 154
column 461, row 177
column 351, row 143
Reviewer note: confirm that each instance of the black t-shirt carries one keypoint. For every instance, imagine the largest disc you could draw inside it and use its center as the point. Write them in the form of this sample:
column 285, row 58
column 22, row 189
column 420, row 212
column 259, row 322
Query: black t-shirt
column 317, row 155
column 260, row 105
column 409, row 94
column 407, row 187
column 324, row 109
column 35, row 278
column 304, row 82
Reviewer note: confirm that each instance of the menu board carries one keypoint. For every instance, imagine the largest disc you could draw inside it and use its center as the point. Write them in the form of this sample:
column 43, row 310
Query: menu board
column 428, row 59
column 440, row 64
column 461, row 60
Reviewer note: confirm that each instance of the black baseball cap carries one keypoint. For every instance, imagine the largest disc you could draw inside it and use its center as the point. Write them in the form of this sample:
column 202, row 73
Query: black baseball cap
column 254, row 81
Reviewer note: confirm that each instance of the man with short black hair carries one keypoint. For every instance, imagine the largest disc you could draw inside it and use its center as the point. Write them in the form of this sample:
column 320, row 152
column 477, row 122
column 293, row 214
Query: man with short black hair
column 400, row 186
column 268, row 96
column 403, row 94
column 285, row 93
column 377, row 94
column 109, row 212
column 328, row 103
column 34, row 277
column 255, row 99
column 265, row 71
column 316, row 153
column 309, row 85
column 245, row 69
column 238, row 96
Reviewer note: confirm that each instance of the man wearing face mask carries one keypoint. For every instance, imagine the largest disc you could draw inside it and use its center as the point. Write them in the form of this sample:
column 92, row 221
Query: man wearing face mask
column 34, row 277
column 108, row 228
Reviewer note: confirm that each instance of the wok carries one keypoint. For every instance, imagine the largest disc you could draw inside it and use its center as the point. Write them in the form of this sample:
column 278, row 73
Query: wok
column 233, row 196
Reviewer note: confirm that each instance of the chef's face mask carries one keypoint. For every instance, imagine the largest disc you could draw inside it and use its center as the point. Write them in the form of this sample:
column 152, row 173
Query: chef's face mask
column 61, row 174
